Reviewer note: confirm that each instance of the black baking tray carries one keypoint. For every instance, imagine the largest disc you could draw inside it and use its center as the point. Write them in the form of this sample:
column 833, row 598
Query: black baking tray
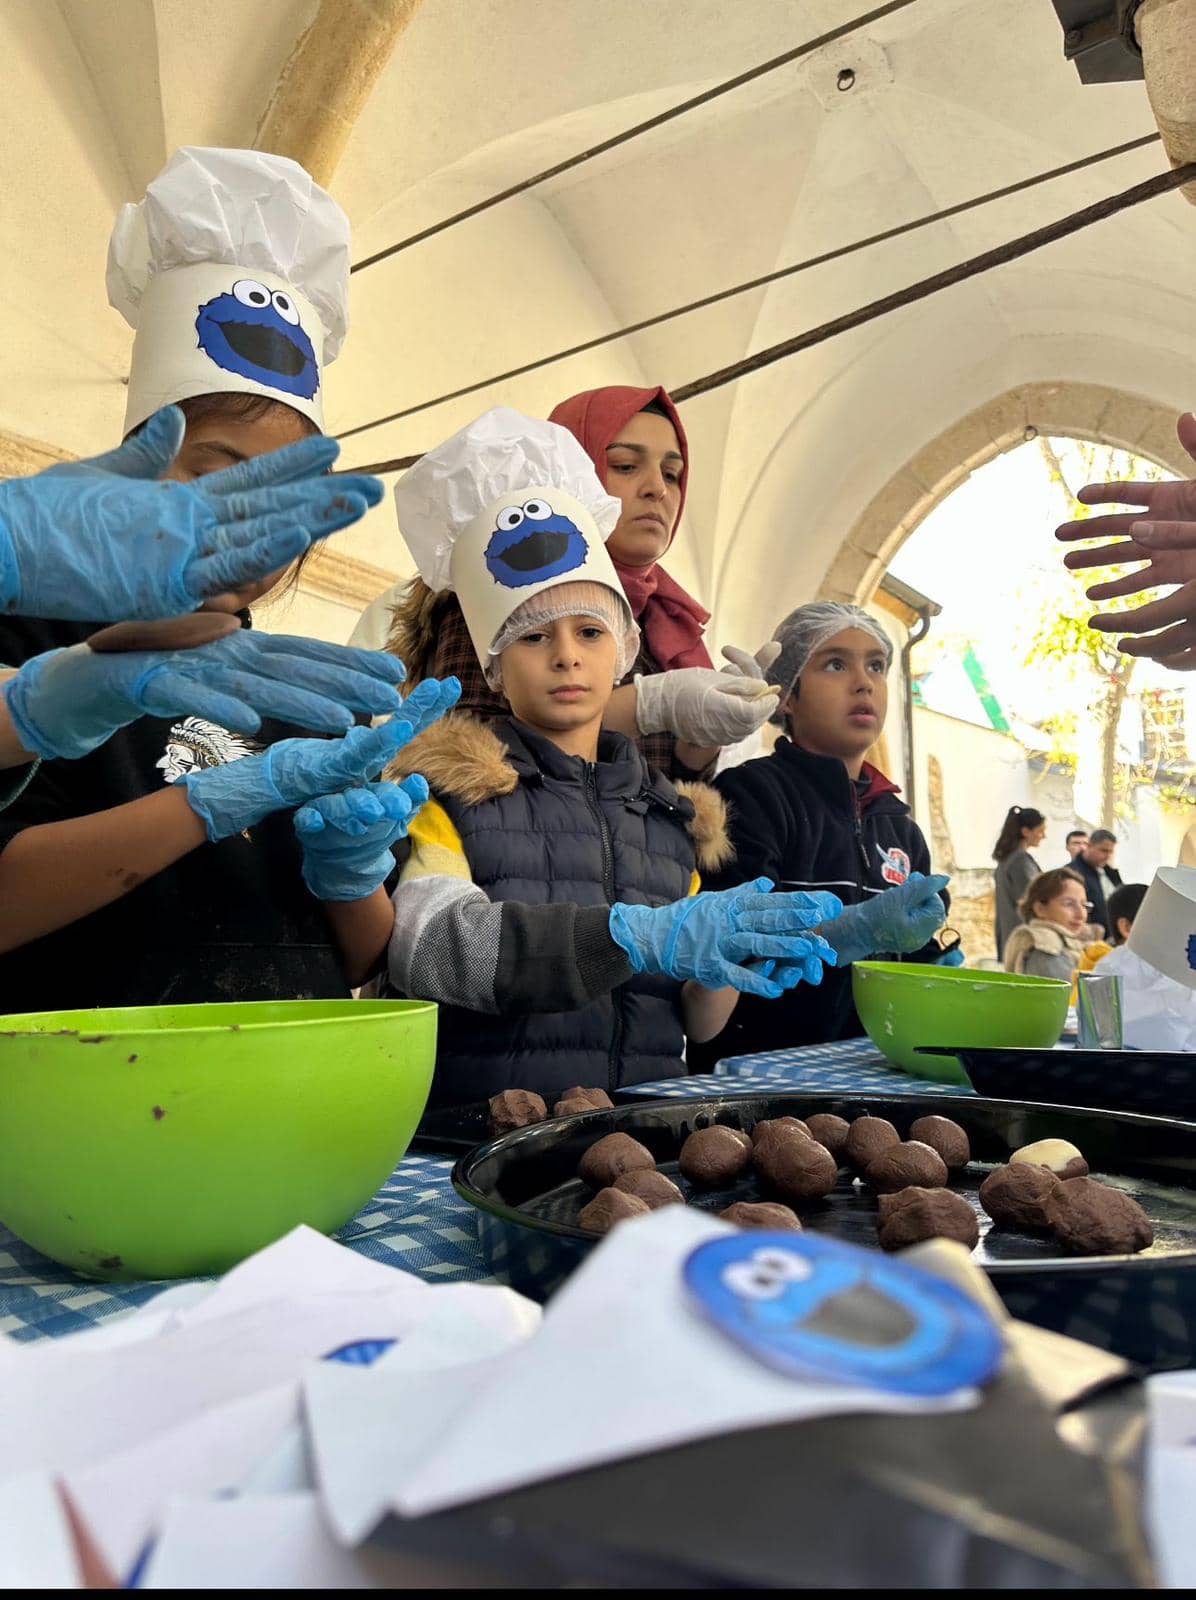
column 1157, row 1083
column 1142, row 1307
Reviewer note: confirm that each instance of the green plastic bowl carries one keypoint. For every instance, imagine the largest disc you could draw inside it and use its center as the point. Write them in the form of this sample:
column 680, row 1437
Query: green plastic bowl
column 905, row 1005
column 174, row 1141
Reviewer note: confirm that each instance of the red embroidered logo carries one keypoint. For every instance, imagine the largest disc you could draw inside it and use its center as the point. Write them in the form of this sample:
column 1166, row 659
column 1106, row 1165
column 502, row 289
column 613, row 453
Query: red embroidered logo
column 894, row 865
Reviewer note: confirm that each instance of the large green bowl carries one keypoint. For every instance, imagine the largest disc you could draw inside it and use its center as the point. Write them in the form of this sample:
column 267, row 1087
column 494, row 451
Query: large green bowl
column 165, row 1142
column 905, row 1005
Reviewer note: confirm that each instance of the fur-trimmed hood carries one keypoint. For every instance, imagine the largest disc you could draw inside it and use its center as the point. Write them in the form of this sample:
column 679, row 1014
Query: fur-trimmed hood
column 466, row 759
column 1047, row 937
column 414, row 626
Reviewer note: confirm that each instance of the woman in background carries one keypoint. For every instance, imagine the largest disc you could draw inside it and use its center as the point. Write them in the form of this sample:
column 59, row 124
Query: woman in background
column 1050, row 942
column 1023, row 830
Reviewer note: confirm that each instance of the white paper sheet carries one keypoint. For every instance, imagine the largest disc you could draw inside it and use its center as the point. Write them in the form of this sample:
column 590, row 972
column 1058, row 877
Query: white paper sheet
column 639, row 1370
column 63, row 1411
column 263, row 1542
column 371, row 1427
column 37, row 1550
column 121, row 1498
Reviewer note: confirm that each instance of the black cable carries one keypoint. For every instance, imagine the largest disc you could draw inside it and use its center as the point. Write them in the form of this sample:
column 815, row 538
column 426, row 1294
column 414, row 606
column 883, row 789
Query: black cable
column 628, row 134
column 758, row 283
column 999, row 256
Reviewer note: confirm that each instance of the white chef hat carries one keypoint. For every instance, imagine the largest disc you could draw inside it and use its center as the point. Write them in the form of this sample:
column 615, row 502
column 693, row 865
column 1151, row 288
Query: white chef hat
column 234, row 271
column 505, row 509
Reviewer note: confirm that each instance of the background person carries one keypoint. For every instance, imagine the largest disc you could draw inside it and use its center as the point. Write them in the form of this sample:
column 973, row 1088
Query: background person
column 1075, row 842
column 1050, row 942
column 1095, row 866
column 1123, row 909
column 1023, row 831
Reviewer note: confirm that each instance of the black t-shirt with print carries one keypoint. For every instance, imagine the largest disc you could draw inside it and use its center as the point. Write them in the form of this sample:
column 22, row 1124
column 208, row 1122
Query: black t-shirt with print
column 229, row 921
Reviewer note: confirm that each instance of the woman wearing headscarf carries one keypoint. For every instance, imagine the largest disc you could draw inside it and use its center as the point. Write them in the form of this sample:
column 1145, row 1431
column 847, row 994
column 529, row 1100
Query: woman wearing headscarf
column 679, row 710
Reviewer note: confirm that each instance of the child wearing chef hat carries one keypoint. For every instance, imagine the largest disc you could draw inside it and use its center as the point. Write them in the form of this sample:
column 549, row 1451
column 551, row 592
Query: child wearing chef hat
column 543, row 901
column 129, row 876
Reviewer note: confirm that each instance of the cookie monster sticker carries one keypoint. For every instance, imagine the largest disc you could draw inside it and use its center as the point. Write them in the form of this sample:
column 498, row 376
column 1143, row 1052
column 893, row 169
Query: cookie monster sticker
column 256, row 333
column 813, row 1308
column 532, row 543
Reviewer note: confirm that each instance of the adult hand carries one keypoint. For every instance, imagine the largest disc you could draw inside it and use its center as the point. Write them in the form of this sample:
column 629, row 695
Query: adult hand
column 900, row 920
column 68, row 702
column 703, row 707
column 348, row 838
column 236, row 796
column 107, row 540
column 1164, row 538
column 717, row 938
column 743, row 665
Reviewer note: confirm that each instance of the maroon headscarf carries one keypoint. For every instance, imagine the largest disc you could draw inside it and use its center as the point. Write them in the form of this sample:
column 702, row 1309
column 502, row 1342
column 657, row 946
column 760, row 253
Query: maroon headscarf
column 672, row 621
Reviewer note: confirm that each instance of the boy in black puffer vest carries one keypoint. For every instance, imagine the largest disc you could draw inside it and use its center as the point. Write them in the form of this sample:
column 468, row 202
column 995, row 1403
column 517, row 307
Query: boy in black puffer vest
column 543, row 895
column 815, row 816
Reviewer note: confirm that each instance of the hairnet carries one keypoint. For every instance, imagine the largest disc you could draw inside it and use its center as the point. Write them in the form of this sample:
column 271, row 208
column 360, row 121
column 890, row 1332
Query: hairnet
column 806, row 630
column 580, row 599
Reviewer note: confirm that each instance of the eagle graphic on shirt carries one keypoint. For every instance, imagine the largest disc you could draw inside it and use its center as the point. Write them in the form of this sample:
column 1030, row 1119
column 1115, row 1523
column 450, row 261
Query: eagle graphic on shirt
column 895, row 865
column 194, row 744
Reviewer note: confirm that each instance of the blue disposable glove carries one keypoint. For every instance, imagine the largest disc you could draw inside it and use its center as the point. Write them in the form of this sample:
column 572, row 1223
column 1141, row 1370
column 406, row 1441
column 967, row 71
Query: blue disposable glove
column 347, row 838
column 719, row 939
column 105, row 541
column 899, row 920
column 236, row 796
column 67, row 702
column 952, row 958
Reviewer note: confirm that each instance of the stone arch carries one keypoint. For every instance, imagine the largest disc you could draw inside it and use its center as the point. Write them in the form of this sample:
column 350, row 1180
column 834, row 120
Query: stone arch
column 1074, row 410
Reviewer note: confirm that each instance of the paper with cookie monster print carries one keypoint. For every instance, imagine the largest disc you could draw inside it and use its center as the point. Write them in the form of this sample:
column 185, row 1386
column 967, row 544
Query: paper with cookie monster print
column 532, row 543
column 256, row 333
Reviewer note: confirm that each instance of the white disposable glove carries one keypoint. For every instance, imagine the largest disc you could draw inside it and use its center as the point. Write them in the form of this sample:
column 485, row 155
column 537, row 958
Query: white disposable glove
column 703, row 707
column 746, row 666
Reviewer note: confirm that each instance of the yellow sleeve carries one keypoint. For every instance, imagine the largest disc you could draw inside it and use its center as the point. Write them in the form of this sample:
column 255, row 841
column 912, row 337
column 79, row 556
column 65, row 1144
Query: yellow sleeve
column 1094, row 953
column 695, row 885
column 436, row 847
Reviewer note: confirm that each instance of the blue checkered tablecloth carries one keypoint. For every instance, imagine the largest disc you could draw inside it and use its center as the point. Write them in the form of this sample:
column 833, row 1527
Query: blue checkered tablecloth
column 853, row 1066
column 416, row 1220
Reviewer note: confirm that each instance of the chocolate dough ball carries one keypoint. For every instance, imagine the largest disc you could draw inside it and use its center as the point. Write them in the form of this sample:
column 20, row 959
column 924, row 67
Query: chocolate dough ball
column 1020, row 1197
column 578, row 1100
column 866, row 1138
column 1091, row 1219
column 611, row 1157
column 715, row 1155
column 1056, row 1155
column 945, row 1136
column 917, row 1214
column 906, row 1166
column 761, row 1214
column 771, row 1125
column 516, row 1108
column 650, row 1186
column 830, row 1131
column 610, row 1206
column 796, row 1168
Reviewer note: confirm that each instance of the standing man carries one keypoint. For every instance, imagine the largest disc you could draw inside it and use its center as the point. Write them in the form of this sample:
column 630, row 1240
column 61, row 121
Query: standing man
column 1095, row 865
column 1077, row 840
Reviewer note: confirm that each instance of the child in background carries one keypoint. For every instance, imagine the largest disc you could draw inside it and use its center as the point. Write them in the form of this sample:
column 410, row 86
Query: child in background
column 1123, row 906
column 543, row 902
